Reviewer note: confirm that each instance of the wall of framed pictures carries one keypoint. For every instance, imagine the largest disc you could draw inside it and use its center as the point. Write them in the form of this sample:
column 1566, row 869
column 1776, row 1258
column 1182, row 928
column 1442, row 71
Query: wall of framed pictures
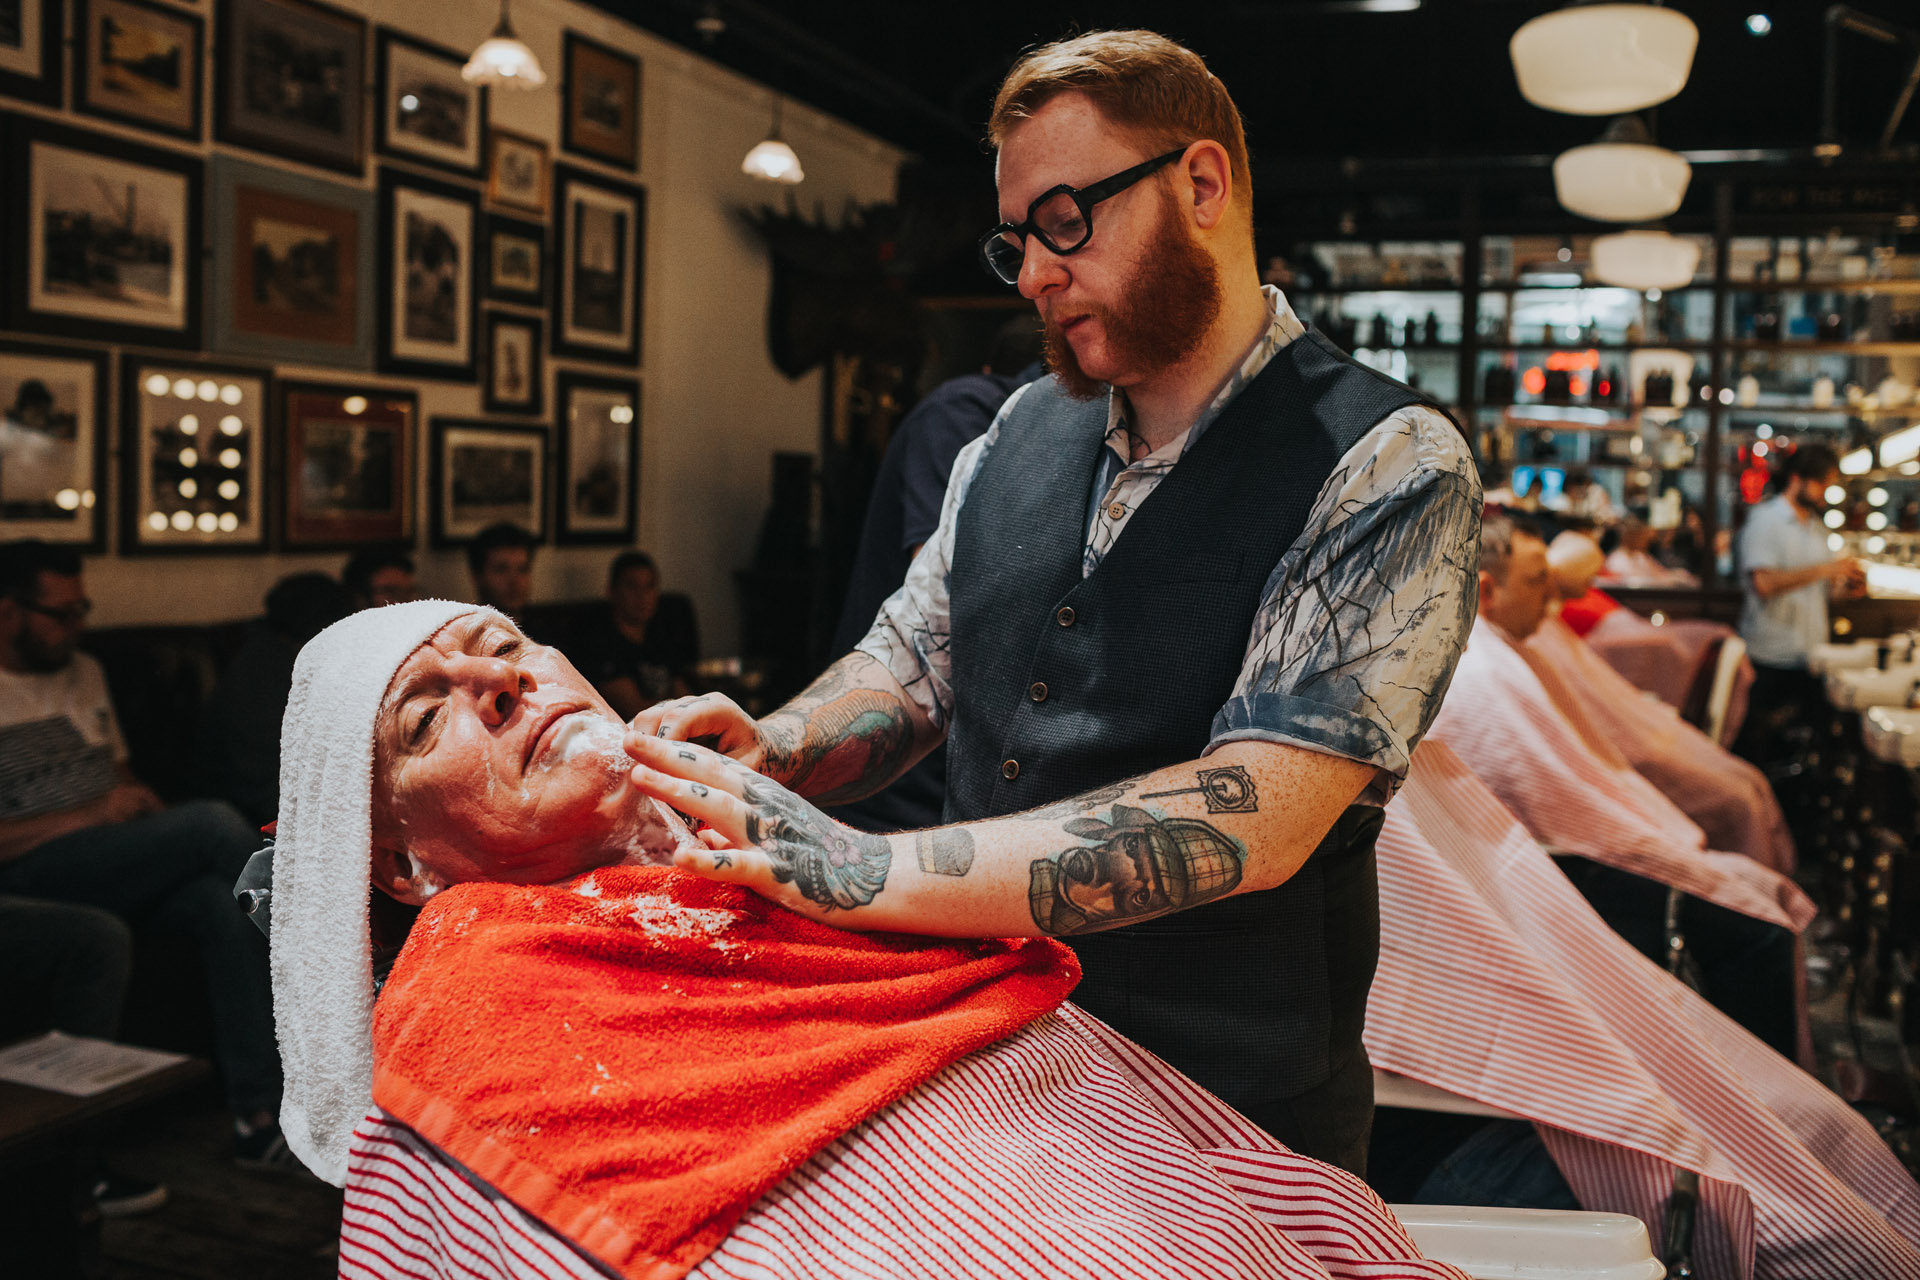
column 407, row 296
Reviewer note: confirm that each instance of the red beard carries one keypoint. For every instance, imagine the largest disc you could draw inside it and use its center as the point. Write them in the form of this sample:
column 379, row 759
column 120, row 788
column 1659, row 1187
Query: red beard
column 1164, row 312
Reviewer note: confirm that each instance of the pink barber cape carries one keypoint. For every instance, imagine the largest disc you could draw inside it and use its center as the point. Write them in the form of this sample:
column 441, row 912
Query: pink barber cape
column 1579, row 797
column 1498, row 982
column 1727, row 797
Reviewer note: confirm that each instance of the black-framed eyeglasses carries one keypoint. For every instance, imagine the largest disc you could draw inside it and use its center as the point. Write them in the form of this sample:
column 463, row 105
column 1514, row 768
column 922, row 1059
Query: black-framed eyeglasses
column 1061, row 218
column 71, row 615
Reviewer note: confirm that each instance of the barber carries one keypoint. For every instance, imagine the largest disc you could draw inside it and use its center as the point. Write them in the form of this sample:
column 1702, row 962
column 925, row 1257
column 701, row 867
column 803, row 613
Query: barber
column 1192, row 601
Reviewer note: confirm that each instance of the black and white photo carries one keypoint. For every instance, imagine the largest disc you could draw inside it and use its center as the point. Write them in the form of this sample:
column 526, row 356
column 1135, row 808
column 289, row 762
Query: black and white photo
column 30, row 62
column 428, row 273
column 484, row 473
column 516, row 367
column 53, row 453
column 425, row 111
column 138, row 63
column 293, row 79
column 349, row 466
column 517, row 175
column 516, row 264
column 598, row 288
column 599, row 434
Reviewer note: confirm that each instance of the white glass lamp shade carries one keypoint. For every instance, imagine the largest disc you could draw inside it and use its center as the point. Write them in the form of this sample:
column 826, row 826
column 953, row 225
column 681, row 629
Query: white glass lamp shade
column 1603, row 59
column 1621, row 181
column 773, row 161
column 1644, row 260
column 504, row 60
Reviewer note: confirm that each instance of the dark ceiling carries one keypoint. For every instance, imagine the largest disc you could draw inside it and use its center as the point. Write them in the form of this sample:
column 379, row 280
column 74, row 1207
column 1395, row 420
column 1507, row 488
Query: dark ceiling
column 1312, row 84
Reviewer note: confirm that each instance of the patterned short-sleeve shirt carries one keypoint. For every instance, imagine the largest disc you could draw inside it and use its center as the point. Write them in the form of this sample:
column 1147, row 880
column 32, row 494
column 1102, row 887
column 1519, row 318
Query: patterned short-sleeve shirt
column 1360, row 623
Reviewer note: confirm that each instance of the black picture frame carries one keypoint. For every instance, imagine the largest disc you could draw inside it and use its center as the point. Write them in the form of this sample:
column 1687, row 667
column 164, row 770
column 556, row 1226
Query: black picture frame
column 497, row 379
column 326, row 45
column 582, row 449
column 62, row 283
column 318, row 420
column 503, row 269
column 44, row 84
column 390, row 47
column 193, row 66
column 454, row 521
column 584, row 297
column 154, row 455
column 62, row 369
column 408, row 307
column 593, row 123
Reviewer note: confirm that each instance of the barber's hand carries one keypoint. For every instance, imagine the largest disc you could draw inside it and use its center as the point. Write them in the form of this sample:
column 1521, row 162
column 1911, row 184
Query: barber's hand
column 712, row 719
column 759, row 834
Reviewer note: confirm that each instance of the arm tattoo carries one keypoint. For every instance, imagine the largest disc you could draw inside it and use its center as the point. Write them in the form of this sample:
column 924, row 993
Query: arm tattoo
column 945, row 851
column 1228, row 790
column 1138, row 866
column 837, row 741
column 832, row 865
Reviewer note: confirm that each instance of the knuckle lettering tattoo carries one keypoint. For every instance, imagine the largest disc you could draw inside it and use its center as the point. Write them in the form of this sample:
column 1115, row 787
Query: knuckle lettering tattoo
column 831, row 865
column 698, row 788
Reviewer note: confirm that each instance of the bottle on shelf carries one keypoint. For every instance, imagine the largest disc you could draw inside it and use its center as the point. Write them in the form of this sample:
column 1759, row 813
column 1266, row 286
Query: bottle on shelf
column 1410, row 333
column 1497, row 385
column 1431, row 330
column 1363, row 336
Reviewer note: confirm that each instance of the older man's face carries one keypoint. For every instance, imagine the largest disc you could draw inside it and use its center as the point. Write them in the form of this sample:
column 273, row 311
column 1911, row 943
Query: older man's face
column 495, row 760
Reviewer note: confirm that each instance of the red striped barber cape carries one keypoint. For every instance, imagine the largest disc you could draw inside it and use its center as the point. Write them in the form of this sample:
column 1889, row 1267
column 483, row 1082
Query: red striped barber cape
column 1504, row 723
column 1498, row 982
column 1725, row 796
column 1062, row 1151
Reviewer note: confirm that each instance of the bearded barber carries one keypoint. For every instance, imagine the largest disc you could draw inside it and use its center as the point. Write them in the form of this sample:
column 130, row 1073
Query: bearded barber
column 1192, row 602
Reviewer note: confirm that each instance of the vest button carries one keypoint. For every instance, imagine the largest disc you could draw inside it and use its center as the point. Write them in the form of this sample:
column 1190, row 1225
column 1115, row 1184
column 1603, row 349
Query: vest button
column 1115, row 511
column 1039, row 691
column 1010, row 770
column 1065, row 616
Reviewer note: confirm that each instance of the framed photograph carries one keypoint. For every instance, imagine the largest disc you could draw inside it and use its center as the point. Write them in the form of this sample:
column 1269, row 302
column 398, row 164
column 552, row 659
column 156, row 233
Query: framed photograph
column 599, row 459
column 31, row 32
column 429, row 237
column 293, row 81
column 106, row 238
column 517, row 176
column 424, row 110
column 602, row 235
column 193, row 463
column 483, row 472
column 349, row 465
column 516, row 373
column 600, row 103
column 516, row 261
column 53, row 450
column 138, row 63
column 292, row 266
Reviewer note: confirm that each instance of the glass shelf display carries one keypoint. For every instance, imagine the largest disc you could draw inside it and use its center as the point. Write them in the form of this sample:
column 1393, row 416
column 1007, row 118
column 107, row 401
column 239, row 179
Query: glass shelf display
column 1559, row 262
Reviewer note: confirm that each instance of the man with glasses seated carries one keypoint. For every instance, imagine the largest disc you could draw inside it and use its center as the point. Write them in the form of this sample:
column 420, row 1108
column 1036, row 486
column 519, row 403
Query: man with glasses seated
column 77, row 826
column 1192, row 602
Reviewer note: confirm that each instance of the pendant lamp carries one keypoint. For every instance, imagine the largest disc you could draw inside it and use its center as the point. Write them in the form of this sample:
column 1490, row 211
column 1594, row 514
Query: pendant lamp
column 503, row 60
column 1623, row 177
column 1603, row 59
column 771, row 159
column 1644, row 260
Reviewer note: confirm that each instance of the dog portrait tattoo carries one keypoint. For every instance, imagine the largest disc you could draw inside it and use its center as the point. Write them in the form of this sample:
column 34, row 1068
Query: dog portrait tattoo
column 1138, row 866
column 832, row 865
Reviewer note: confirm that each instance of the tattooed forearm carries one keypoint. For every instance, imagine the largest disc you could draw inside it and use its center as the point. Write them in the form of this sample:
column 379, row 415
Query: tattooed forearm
column 1074, row 806
column 945, row 851
column 838, row 741
column 1140, row 865
column 1228, row 790
column 832, row 865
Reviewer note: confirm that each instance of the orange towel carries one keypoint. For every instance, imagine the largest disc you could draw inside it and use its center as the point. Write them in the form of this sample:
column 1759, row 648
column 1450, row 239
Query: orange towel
column 637, row 1056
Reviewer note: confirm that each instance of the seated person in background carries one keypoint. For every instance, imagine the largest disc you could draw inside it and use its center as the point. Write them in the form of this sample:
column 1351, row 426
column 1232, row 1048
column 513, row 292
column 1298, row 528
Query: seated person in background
column 637, row 655
column 1633, row 564
column 379, row 576
column 1728, row 797
column 75, row 826
column 500, row 561
column 1620, row 841
column 670, row 1075
column 1584, row 499
column 237, row 742
column 1575, row 560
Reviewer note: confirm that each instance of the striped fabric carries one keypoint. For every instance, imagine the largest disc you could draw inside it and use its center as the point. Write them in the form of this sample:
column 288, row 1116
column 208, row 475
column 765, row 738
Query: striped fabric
column 1504, row 723
column 1498, row 982
column 1727, row 797
column 1061, row 1151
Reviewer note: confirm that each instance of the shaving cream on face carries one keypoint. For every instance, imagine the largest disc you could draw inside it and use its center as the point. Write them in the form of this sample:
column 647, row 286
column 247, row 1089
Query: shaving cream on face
column 646, row 833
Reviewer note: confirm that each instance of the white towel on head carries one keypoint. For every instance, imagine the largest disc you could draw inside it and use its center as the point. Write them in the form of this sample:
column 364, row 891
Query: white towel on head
column 322, row 953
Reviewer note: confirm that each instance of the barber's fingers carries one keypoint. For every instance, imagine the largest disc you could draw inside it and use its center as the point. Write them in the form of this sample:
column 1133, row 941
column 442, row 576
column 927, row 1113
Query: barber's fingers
column 700, row 783
column 711, row 717
column 746, row 865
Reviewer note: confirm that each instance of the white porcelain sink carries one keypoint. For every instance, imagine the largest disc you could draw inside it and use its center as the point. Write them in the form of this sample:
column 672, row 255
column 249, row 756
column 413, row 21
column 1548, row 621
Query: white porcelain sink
column 1827, row 658
column 1532, row 1244
column 1856, row 690
column 1893, row 734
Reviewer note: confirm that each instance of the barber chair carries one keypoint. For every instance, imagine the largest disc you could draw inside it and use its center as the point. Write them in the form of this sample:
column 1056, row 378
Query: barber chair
column 1537, row 1244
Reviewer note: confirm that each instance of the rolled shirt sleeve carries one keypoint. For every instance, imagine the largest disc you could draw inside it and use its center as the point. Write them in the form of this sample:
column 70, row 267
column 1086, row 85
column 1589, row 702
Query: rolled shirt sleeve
column 1365, row 616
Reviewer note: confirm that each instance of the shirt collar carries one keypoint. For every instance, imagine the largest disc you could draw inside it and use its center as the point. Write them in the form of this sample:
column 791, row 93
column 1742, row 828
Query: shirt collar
column 1283, row 326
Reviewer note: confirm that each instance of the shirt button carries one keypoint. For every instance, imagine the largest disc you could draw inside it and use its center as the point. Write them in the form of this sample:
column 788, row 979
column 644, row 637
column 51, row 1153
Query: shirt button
column 1010, row 770
column 1039, row 691
column 1117, row 510
column 1065, row 616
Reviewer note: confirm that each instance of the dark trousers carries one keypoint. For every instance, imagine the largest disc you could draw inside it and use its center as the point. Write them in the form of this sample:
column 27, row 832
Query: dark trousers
column 1746, row 966
column 1781, row 697
column 174, row 871
column 66, row 968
